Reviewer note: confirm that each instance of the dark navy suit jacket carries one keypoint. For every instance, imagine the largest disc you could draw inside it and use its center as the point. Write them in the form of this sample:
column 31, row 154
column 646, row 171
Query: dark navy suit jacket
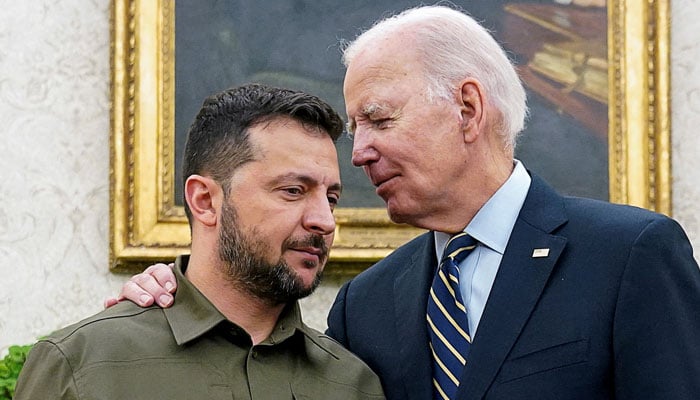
column 612, row 312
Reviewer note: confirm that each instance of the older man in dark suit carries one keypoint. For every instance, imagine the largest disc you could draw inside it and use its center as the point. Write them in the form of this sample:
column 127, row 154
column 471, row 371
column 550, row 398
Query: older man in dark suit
column 565, row 298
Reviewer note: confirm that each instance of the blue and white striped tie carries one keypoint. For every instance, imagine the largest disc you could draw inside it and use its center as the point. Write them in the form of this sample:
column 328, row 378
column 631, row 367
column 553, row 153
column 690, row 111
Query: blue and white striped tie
column 447, row 319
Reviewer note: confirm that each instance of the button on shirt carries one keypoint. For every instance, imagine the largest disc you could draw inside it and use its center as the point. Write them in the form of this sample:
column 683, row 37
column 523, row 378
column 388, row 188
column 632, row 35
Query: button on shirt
column 491, row 226
column 191, row 351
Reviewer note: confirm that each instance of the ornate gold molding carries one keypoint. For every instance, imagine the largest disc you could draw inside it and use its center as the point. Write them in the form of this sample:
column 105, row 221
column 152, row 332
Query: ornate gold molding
column 640, row 126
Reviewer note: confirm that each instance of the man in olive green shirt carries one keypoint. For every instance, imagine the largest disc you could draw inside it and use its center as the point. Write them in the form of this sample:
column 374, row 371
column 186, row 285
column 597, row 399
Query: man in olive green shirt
column 261, row 182
column 191, row 351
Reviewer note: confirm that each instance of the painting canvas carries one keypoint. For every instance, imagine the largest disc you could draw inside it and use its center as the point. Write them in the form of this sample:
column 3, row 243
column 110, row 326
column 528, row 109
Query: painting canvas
column 298, row 44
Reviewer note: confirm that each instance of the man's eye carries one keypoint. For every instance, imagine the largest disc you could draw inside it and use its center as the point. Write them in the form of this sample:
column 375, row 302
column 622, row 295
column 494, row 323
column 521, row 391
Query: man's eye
column 333, row 202
column 381, row 123
column 293, row 191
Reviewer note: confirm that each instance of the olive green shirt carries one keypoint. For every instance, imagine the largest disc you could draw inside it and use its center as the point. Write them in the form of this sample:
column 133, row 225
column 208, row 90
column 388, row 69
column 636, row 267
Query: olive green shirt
column 190, row 351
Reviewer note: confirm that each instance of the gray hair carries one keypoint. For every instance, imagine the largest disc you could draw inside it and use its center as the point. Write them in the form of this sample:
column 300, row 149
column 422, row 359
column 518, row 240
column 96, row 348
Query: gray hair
column 455, row 46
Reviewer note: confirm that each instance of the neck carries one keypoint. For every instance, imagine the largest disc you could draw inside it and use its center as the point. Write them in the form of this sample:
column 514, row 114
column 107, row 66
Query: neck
column 487, row 178
column 257, row 317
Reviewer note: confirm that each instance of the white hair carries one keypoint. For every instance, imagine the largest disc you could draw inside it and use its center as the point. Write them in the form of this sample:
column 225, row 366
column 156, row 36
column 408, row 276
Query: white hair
column 454, row 46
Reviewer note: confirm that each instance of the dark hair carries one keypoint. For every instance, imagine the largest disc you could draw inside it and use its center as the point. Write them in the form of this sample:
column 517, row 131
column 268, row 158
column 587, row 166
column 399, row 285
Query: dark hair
column 217, row 142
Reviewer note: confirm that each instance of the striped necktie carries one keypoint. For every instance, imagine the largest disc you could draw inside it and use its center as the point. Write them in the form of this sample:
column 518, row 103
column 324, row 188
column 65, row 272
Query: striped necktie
column 447, row 319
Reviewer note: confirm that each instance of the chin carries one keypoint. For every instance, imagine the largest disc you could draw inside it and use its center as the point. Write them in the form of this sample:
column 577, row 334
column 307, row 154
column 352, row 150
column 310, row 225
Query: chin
column 307, row 271
column 400, row 218
column 396, row 213
column 404, row 216
column 309, row 284
column 302, row 264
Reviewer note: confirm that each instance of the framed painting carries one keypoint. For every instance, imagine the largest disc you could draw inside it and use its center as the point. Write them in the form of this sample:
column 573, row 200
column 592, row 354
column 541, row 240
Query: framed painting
column 597, row 81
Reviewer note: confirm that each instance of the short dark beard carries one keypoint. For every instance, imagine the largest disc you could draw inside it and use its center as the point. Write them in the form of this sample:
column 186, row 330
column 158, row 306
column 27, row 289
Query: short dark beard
column 244, row 258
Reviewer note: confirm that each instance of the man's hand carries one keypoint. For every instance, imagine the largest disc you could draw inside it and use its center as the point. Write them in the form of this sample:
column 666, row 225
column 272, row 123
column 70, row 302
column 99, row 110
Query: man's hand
column 156, row 283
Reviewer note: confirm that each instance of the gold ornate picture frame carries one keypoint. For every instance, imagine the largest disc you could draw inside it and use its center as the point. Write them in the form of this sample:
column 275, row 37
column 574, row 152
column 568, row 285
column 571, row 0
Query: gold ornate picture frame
column 147, row 226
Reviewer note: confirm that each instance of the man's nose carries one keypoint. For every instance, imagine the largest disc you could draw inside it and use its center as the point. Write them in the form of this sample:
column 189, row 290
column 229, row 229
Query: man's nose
column 319, row 217
column 363, row 151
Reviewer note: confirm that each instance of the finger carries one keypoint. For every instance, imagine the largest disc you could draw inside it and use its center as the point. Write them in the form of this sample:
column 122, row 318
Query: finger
column 109, row 302
column 147, row 283
column 133, row 290
column 164, row 275
column 154, row 291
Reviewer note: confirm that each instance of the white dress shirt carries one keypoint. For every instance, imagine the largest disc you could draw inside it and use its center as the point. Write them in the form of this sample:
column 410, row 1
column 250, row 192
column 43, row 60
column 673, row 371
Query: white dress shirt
column 491, row 227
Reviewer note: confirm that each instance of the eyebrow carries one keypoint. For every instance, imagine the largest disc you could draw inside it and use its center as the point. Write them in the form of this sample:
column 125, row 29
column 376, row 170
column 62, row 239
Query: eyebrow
column 372, row 108
column 367, row 110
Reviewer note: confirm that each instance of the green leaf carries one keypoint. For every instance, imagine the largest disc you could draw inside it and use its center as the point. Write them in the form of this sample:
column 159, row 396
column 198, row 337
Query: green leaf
column 10, row 367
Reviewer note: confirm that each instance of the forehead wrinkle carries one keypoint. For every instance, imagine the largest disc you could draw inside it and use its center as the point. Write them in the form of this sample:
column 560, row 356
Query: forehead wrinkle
column 379, row 77
column 371, row 76
column 376, row 73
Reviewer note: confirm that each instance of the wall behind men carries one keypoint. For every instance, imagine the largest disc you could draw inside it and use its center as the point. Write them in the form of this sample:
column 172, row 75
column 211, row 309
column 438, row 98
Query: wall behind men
column 54, row 161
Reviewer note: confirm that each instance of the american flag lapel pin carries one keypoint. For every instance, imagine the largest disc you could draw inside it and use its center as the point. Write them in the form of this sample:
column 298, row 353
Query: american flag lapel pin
column 539, row 253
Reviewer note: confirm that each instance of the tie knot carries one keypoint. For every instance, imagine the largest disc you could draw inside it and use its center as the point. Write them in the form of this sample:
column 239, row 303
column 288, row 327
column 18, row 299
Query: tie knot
column 458, row 247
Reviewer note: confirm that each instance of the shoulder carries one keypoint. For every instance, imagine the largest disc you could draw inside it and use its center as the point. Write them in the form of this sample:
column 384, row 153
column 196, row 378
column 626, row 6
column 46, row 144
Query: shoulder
column 108, row 332
column 550, row 211
column 370, row 286
column 124, row 312
column 586, row 206
column 544, row 203
column 615, row 219
column 113, row 334
column 639, row 241
column 332, row 362
column 322, row 346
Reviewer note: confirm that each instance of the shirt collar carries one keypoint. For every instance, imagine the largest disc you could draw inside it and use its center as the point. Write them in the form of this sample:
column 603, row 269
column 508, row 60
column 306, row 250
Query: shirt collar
column 287, row 325
column 193, row 315
column 493, row 223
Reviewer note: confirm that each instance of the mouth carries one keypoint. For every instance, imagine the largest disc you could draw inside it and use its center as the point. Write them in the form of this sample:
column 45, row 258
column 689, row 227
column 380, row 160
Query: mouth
column 314, row 254
column 382, row 185
column 379, row 180
column 312, row 250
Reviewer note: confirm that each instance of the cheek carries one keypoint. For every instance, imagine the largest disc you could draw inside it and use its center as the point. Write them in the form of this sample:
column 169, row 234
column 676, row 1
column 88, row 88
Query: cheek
column 267, row 212
column 272, row 225
column 329, row 240
column 282, row 226
column 426, row 164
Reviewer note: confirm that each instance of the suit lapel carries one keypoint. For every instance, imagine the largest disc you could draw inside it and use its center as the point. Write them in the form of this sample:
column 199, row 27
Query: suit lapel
column 519, row 283
column 411, row 297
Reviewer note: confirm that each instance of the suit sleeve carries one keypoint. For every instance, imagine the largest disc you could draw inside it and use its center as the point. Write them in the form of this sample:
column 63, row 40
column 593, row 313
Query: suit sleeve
column 336, row 317
column 657, row 319
column 46, row 375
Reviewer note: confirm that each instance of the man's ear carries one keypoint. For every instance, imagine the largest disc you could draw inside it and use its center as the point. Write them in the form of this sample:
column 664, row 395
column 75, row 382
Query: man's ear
column 471, row 108
column 204, row 197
